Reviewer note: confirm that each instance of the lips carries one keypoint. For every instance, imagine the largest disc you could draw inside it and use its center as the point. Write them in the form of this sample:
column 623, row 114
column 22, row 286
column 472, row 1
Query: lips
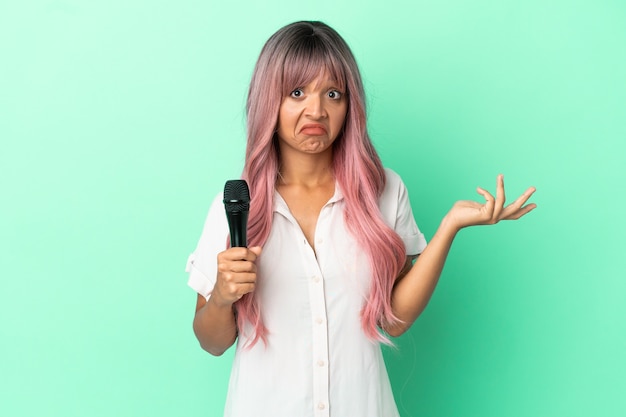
column 313, row 129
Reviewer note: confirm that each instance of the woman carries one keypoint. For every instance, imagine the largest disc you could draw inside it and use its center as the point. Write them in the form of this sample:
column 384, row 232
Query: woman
column 335, row 276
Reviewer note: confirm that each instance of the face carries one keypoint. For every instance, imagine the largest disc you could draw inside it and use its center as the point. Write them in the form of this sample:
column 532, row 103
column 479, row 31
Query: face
column 311, row 116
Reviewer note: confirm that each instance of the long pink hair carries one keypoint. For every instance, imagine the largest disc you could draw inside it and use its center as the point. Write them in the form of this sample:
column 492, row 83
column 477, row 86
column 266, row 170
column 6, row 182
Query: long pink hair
column 292, row 57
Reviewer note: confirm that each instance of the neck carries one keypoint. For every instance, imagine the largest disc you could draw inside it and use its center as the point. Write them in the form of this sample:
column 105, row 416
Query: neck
column 306, row 170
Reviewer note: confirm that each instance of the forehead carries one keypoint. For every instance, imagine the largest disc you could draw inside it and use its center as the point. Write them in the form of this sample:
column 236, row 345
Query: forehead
column 303, row 70
column 323, row 79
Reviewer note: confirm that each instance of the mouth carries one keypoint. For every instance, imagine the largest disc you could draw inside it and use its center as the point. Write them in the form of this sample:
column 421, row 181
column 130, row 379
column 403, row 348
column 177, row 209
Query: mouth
column 313, row 129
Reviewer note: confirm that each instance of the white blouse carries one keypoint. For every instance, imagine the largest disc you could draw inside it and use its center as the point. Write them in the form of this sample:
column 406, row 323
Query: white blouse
column 317, row 361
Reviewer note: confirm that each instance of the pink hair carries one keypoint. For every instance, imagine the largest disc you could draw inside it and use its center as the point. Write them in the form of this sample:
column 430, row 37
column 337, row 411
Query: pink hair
column 292, row 57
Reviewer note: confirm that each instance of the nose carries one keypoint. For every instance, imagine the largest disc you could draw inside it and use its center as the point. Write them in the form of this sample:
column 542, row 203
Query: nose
column 315, row 107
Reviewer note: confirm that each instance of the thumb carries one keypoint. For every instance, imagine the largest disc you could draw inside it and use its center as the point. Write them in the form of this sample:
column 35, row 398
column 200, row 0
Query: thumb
column 256, row 250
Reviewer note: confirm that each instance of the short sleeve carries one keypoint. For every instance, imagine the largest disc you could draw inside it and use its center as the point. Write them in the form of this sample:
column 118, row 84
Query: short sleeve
column 396, row 210
column 202, row 263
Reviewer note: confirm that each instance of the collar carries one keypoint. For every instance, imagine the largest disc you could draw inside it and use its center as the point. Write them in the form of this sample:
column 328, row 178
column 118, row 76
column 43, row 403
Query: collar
column 280, row 206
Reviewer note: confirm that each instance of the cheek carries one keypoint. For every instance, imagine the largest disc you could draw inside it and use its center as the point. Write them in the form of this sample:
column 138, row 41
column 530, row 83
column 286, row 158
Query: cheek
column 340, row 120
column 286, row 119
column 281, row 123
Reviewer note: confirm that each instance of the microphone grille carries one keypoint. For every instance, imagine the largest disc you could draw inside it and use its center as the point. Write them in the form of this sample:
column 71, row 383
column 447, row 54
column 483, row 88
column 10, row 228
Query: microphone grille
column 236, row 196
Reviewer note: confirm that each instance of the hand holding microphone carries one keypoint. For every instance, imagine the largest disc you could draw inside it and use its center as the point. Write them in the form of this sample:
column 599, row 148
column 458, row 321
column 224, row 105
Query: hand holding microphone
column 236, row 269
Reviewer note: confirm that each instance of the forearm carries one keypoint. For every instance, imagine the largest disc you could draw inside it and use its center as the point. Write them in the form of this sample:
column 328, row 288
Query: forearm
column 215, row 326
column 411, row 293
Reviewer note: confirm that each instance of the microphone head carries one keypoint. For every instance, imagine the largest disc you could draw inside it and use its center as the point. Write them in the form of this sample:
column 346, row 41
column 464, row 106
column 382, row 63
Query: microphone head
column 236, row 196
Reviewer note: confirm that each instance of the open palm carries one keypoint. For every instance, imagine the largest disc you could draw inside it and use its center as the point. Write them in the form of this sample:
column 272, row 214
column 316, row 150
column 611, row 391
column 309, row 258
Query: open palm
column 469, row 213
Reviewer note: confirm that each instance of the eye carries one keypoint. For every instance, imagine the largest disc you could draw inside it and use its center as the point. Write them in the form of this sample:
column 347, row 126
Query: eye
column 297, row 93
column 335, row 95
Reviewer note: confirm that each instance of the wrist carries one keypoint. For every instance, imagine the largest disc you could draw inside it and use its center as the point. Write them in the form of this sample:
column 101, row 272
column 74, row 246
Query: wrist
column 218, row 302
column 449, row 226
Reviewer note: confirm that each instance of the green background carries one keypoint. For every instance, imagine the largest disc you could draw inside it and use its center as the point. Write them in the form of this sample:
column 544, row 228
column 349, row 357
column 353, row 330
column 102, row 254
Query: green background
column 120, row 120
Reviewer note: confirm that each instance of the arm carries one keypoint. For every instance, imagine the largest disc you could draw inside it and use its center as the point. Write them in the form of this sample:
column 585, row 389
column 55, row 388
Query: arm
column 214, row 323
column 412, row 291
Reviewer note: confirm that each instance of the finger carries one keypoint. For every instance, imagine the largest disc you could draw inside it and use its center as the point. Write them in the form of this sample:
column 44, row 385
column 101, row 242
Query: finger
column 500, row 198
column 235, row 278
column 252, row 253
column 489, row 202
column 526, row 195
column 239, row 266
column 234, row 254
column 240, row 254
column 518, row 203
column 521, row 212
column 234, row 292
column 255, row 253
column 244, row 289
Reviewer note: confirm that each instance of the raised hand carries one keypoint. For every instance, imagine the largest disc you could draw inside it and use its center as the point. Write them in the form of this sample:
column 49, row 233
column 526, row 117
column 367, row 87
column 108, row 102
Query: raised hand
column 236, row 274
column 470, row 213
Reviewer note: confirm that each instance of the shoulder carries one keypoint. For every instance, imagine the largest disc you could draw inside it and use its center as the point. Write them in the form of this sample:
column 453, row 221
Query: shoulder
column 394, row 186
column 395, row 208
column 393, row 180
column 215, row 223
column 391, row 199
column 217, row 201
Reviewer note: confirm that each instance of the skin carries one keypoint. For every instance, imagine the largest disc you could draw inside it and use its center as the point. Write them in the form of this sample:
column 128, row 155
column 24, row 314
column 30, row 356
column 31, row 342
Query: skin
column 414, row 289
column 310, row 119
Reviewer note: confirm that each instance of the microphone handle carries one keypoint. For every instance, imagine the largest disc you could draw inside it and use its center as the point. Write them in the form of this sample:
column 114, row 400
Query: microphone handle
column 238, row 225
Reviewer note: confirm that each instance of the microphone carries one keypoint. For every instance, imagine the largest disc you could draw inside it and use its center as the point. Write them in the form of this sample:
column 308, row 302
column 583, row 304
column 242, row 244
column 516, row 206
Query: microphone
column 237, row 205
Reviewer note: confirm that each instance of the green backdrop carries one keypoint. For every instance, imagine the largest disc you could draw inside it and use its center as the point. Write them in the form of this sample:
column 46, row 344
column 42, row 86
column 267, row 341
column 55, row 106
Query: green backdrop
column 120, row 120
